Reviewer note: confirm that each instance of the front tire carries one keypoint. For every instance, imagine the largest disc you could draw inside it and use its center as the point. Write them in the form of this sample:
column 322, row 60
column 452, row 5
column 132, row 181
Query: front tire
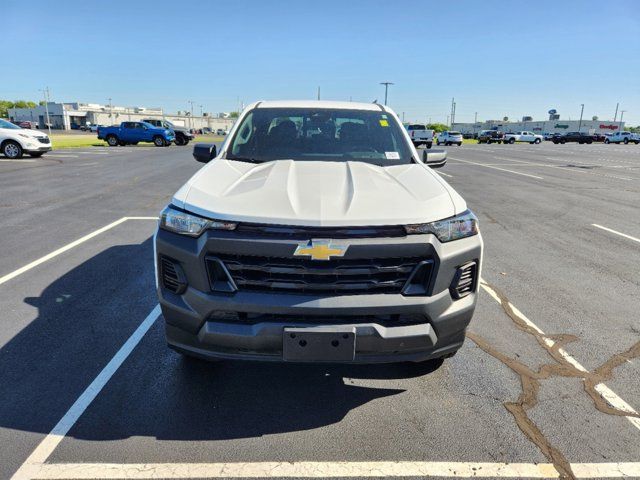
column 626, row 141
column 459, row 144
column 12, row 150
column 606, row 140
column 158, row 141
column 512, row 141
column 112, row 140
column 180, row 141
column 536, row 141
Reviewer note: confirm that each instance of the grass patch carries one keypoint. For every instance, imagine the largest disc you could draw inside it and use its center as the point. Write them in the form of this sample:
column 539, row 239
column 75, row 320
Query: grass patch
column 80, row 141
column 71, row 141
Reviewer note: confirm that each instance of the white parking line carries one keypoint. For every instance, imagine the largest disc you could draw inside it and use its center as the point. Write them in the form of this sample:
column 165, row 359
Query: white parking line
column 330, row 470
column 445, row 174
column 616, row 232
column 60, row 155
column 17, row 161
column 31, row 466
column 67, row 247
column 605, row 392
column 496, row 168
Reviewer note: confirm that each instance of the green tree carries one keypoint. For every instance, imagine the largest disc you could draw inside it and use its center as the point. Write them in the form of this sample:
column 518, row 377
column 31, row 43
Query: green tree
column 5, row 105
column 438, row 127
column 234, row 114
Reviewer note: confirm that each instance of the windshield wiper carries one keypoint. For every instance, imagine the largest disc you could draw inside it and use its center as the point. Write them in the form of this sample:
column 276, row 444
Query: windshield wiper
column 245, row 159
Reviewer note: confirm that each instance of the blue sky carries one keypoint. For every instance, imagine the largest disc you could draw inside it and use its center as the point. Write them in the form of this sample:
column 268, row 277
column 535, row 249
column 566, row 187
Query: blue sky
column 496, row 58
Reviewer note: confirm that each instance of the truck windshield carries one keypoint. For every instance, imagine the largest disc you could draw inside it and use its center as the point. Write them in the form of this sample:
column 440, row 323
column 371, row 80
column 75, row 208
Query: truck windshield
column 309, row 134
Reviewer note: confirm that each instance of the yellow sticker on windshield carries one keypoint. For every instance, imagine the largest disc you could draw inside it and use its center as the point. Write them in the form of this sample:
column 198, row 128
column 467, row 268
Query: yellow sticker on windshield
column 384, row 123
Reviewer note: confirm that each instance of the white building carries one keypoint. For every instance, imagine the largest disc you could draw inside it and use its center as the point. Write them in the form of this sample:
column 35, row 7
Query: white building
column 67, row 116
column 542, row 126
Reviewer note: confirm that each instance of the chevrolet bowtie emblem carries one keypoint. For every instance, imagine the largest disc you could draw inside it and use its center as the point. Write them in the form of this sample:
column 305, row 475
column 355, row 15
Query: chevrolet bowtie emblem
column 320, row 250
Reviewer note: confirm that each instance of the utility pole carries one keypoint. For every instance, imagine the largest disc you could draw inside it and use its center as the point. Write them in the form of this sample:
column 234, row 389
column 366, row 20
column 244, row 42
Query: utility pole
column 453, row 111
column 475, row 119
column 448, row 121
column 111, row 111
column 201, row 114
column 402, row 117
column 621, row 115
column 318, row 92
column 45, row 93
column 191, row 102
column 581, row 112
column 386, row 89
column 615, row 117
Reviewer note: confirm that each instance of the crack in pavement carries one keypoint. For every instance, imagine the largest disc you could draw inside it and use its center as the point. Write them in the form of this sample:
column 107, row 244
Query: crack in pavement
column 564, row 367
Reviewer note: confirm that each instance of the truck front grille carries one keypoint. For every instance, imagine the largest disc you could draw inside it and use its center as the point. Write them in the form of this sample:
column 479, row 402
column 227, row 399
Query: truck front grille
column 299, row 275
column 44, row 140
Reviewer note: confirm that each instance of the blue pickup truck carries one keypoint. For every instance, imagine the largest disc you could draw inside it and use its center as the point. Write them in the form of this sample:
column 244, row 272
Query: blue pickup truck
column 130, row 133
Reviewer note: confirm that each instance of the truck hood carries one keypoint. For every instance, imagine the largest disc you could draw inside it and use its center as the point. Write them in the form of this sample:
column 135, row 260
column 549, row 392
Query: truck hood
column 314, row 193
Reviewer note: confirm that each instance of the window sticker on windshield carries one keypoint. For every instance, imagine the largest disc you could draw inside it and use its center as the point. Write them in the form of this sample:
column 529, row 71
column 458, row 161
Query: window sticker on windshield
column 392, row 155
column 383, row 116
column 384, row 123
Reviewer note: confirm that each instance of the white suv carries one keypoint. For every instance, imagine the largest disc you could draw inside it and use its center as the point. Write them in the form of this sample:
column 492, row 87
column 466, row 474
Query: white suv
column 449, row 138
column 16, row 141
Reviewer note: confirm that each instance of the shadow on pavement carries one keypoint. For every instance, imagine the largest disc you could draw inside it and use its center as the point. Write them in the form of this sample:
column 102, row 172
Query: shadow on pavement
column 88, row 313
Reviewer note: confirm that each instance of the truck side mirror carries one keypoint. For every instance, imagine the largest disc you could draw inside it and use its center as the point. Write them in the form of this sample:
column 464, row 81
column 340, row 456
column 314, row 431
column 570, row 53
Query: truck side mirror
column 204, row 152
column 434, row 158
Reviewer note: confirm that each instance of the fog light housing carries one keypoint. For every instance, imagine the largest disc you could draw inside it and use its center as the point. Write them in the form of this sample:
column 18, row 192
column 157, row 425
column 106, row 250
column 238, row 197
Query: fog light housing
column 465, row 280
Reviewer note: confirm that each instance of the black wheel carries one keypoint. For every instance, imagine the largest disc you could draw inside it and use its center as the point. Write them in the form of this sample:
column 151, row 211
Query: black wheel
column 488, row 142
column 536, row 141
column 438, row 142
column 180, row 140
column 606, row 140
column 589, row 142
column 430, row 144
column 158, row 141
column 459, row 144
column 626, row 141
column 563, row 141
column 12, row 149
column 580, row 143
column 36, row 154
column 112, row 140
column 637, row 142
column 512, row 141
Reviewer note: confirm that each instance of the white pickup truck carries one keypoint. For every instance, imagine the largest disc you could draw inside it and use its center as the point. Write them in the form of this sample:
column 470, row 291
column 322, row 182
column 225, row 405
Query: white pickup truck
column 420, row 134
column 623, row 137
column 529, row 137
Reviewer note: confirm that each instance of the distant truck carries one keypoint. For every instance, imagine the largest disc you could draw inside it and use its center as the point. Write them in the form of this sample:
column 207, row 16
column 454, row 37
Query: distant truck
column 183, row 135
column 420, row 135
column 131, row 133
column 529, row 137
column 579, row 137
column 623, row 137
column 490, row 136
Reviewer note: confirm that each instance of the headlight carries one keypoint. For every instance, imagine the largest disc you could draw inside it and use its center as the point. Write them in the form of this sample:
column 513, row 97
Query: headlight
column 187, row 224
column 454, row 228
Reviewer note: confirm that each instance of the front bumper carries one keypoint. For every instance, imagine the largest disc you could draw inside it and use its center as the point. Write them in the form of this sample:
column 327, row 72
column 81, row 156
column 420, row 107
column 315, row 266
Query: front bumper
column 35, row 148
column 387, row 327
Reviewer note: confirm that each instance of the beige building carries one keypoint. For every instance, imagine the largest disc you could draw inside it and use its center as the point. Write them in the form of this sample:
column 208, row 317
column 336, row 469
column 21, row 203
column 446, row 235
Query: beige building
column 68, row 116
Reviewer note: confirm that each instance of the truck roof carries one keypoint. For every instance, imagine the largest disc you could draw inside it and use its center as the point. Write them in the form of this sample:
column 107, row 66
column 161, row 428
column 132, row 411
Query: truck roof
column 317, row 104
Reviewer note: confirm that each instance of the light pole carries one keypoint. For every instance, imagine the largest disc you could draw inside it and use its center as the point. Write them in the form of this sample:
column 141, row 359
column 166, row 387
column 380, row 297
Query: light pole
column 615, row 117
column 386, row 89
column 621, row 115
column 110, row 111
column 581, row 112
column 45, row 93
column 191, row 102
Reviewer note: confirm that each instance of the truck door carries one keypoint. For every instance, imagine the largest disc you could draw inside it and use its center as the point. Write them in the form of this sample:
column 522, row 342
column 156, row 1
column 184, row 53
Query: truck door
column 127, row 131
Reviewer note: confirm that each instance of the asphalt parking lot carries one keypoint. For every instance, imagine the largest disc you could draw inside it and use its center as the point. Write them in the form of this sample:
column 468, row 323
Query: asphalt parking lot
column 545, row 386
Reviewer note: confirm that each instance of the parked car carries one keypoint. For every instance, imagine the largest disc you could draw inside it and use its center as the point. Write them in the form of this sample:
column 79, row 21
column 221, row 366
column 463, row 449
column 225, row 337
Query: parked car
column 182, row 134
column 490, row 136
column 524, row 136
column 548, row 136
column 94, row 128
column 28, row 124
column 579, row 137
column 449, row 138
column 16, row 141
column 244, row 275
column 221, row 131
column 599, row 137
column 130, row 133
column 623, row 137
column 420, row 134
